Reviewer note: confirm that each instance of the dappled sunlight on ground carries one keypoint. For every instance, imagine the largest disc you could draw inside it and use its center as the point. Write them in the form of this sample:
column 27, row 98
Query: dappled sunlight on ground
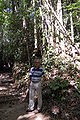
column 3, row 88
column 4, row 76
column 33, row 116
column 11, row 108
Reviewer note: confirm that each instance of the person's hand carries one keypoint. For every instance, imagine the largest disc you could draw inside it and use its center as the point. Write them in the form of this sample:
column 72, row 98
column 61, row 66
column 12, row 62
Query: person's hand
column 45, row 78
column 27, row 91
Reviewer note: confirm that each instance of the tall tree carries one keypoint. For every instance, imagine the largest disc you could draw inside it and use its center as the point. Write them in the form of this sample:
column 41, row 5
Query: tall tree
column 13, row 6
column 35, row 31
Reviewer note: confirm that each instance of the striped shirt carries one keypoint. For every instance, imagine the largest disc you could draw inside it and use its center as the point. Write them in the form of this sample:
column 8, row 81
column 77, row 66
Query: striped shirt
column 36, row 74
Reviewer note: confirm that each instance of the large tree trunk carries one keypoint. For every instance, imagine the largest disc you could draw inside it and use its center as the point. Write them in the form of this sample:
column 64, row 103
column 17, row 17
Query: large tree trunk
column 62, row 28
column 60, row 32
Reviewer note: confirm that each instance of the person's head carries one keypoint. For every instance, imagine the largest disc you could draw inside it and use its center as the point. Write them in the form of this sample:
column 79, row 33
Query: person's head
column 37, row 62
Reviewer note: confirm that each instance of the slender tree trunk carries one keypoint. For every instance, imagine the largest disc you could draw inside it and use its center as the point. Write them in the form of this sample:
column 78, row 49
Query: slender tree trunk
column 13, row 6
column 25, row 39
column 59, row 14
column 52, row 31
column 72, row 34
column 35, row 30
column 42, row 27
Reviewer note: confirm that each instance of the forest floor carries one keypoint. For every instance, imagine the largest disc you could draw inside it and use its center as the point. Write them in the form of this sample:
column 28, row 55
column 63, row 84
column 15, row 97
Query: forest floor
column 53, row 109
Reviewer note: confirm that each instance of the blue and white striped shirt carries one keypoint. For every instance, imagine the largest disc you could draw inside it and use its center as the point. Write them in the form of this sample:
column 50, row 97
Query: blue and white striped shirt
column 36, row 74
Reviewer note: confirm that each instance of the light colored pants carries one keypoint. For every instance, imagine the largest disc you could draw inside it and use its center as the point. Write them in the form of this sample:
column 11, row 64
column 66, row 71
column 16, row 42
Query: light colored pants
column 35, row 87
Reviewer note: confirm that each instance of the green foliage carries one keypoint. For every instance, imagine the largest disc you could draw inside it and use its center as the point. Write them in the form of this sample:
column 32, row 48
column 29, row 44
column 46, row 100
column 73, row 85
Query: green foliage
column 15, row 47
column 59, row 84
column 52, row 60
column 1, row 12
column 59, row 88
column 13, row 33
column 62, row 75
column 74, row 6
column 49, row 60
column 76, row 94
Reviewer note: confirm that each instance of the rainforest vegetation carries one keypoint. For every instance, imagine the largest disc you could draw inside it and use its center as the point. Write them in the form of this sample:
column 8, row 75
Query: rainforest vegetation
column 49, row 30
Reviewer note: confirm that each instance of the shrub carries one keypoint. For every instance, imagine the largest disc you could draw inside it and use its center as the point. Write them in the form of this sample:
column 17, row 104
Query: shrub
column 59, row 87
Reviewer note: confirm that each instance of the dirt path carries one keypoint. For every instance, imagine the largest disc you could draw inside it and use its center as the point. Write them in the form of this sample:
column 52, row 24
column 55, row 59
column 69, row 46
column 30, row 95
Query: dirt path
column 53, row 109
column 10, row 106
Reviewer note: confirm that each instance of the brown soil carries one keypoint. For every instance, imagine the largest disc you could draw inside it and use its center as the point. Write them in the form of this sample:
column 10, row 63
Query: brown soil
column 11, row 108
column 53, row 109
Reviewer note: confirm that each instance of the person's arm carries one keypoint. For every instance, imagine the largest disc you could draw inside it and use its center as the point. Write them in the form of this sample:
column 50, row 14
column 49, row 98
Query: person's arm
column 44, row 76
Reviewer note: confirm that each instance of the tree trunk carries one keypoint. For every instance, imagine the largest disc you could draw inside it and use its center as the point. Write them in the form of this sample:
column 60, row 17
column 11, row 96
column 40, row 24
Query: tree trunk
column 59, row 14
column 72, row 34
column 35, row 30
column 26, row 40
column 13, row 6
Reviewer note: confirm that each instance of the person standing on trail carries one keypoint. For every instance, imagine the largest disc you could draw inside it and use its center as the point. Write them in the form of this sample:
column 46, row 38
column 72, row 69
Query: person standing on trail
column 34, row 85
